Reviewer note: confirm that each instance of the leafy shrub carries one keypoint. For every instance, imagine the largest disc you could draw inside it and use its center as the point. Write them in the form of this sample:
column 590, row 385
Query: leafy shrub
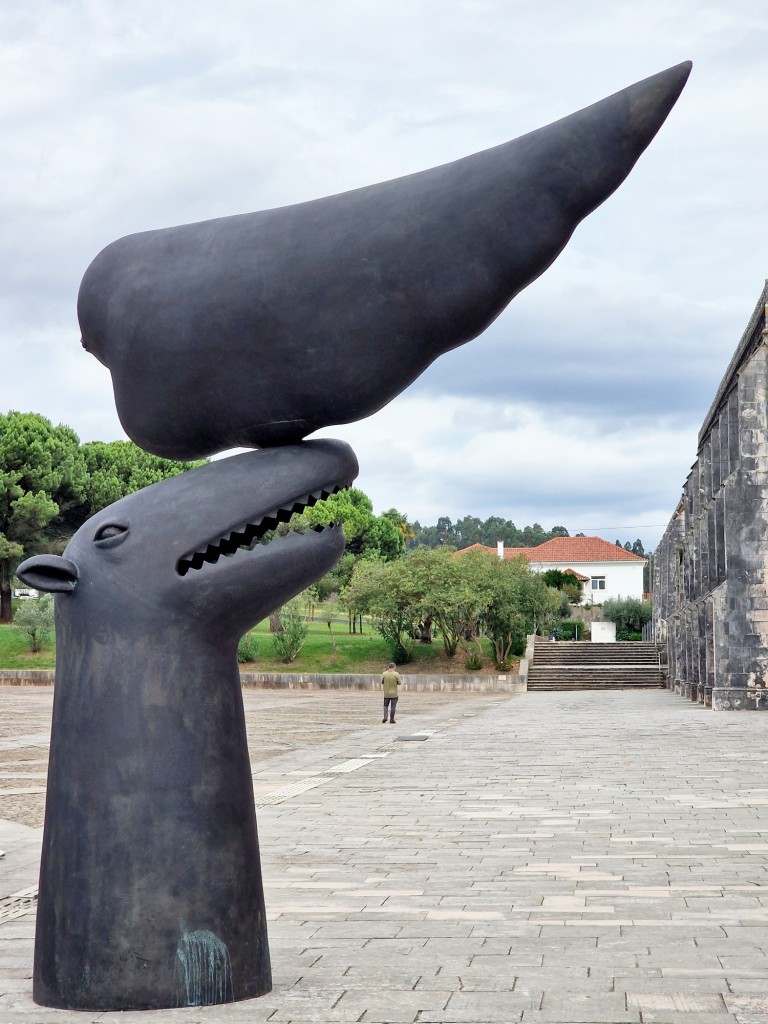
column 629, row 613
column 573, row 629
column 247, row 648
column 473, row 655
column 566, row 582
column 36, row 619
column 574, row 592
column 628, row 635
column 289, row 641
column 398, row 652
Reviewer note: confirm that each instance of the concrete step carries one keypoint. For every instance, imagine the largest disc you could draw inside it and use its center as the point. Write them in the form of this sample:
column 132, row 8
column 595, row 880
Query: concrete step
column 564, row 682
column 593, row 660
column 542, row 674
column 598, row 684
column 559, row 688
column 573, row 671
column 580, row 665
column 568, row 653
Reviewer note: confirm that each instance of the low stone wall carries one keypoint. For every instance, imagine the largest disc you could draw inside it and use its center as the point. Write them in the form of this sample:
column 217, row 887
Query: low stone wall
column 317, row 681
column 26, row 676
column 344, row 681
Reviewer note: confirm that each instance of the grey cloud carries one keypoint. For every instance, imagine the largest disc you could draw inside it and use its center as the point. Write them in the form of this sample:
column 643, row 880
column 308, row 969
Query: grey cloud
column 116, row 118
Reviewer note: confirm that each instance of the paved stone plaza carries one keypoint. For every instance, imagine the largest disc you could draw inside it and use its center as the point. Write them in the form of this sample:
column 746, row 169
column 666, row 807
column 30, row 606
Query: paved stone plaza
column 550, row 858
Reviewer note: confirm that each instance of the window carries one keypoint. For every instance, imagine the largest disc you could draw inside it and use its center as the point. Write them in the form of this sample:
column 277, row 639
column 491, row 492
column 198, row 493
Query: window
column 598, row 582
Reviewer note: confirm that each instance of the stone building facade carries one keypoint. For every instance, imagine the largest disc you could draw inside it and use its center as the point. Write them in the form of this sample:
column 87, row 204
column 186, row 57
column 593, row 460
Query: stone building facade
column 710, row 573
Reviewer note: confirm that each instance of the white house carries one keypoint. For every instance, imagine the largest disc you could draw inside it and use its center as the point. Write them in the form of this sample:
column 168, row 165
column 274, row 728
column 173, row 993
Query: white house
column 605, row 570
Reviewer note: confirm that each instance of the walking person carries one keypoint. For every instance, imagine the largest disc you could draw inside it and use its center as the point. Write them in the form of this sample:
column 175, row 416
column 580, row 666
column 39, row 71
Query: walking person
column 390, row 680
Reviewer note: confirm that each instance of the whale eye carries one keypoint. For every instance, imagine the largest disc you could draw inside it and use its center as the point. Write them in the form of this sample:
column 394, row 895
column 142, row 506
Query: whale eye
column 110, row 535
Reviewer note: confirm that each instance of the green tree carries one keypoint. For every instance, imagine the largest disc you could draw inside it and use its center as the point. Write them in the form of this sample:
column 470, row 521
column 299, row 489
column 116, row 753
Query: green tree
column 449, row 591
column 50, row 484
column 556, row 578
column 565, row 582
column 42, row 477
column 247, row 648
column 574, row 591
column 520, row 603
column 35, row 618
column 401, row 522
column 327, row 615
column 495, row 529
column 541, row 604
column 629, row 613
column 504, row 622
column 367, row 535
column 384, row 590
column 289, row 640
column 534, row 535
column 117, row 468
column 470, row 530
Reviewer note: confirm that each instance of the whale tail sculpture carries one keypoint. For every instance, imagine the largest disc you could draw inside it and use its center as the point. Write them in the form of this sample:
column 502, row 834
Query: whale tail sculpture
column 259, row 329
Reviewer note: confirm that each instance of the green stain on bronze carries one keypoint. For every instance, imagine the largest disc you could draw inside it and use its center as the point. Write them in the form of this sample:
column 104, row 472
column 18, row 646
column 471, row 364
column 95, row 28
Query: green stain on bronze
column 204, row 970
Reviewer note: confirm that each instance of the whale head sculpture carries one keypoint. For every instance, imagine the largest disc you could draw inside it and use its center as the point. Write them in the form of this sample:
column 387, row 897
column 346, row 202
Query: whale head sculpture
column 150, row 885
column 258, row 329
column 187, row 547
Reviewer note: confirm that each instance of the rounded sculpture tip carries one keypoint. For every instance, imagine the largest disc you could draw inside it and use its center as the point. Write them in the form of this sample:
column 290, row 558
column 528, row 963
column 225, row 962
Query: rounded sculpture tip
column 654, row 97
column 256, row 330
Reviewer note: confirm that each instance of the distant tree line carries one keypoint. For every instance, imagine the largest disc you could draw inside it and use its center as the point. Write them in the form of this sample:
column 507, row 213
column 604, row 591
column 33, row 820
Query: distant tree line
column 472, row 530
column 636, row 548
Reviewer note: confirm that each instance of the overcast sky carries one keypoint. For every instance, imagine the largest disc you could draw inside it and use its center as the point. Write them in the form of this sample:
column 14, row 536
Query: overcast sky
column 580, row 406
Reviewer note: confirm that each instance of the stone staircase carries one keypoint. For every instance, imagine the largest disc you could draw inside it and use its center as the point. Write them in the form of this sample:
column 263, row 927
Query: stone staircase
column 569, row 665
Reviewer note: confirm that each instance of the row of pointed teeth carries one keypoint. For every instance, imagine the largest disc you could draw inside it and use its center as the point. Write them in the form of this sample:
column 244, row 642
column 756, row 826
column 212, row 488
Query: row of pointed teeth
column 247, row 535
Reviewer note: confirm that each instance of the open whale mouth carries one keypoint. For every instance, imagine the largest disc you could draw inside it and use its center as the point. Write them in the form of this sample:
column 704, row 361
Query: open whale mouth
column 249, row 534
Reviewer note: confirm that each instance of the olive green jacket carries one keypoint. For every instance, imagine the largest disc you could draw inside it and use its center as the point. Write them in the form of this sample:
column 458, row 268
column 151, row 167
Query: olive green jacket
column 390, row 680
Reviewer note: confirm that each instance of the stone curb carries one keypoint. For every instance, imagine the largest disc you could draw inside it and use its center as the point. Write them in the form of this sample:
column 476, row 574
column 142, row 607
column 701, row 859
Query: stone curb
column 26, row 677
column 318, row 681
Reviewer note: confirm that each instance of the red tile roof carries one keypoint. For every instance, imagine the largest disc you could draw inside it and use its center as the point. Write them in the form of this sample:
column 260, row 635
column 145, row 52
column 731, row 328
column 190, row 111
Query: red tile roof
column 567, row 549
column 508, row 552
column 576, row 575
column 581, row 549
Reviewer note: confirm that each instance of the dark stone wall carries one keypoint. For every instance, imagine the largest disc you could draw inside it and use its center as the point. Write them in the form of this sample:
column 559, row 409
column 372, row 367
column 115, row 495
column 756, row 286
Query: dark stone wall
column 710, row 576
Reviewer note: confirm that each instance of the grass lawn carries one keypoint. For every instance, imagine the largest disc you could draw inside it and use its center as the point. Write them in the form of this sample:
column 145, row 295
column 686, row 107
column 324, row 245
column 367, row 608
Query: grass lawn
column 15, row 652
column 341, row 651
column 324, row 651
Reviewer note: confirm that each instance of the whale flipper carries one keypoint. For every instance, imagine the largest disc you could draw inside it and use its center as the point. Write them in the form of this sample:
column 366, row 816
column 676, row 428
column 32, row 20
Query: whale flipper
column 257, row 329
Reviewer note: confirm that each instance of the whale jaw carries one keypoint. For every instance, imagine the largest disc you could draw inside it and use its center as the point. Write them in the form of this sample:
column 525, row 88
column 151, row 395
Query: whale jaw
column 189, row 544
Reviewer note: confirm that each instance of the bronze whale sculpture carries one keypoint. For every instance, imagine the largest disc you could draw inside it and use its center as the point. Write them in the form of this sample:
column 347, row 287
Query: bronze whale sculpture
column 258, row 329
column 150, row 881
column 254, row 331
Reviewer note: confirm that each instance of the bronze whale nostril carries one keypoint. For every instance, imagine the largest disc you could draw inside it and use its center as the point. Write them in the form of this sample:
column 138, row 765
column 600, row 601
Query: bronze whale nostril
column 258, row 329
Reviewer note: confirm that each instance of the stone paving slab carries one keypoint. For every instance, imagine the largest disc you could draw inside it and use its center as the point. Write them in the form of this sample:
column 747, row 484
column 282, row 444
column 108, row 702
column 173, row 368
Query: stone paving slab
column 544, row 857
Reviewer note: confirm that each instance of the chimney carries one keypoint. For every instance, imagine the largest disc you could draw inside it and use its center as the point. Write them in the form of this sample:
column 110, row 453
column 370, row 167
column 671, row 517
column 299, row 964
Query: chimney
column 500, row 548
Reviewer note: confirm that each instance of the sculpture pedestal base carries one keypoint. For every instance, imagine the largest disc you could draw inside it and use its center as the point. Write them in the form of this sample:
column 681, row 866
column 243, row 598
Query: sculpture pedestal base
column 150, row 881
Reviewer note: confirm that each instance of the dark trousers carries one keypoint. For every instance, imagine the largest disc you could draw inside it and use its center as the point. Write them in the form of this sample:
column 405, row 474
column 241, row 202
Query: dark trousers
column 391, row 703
